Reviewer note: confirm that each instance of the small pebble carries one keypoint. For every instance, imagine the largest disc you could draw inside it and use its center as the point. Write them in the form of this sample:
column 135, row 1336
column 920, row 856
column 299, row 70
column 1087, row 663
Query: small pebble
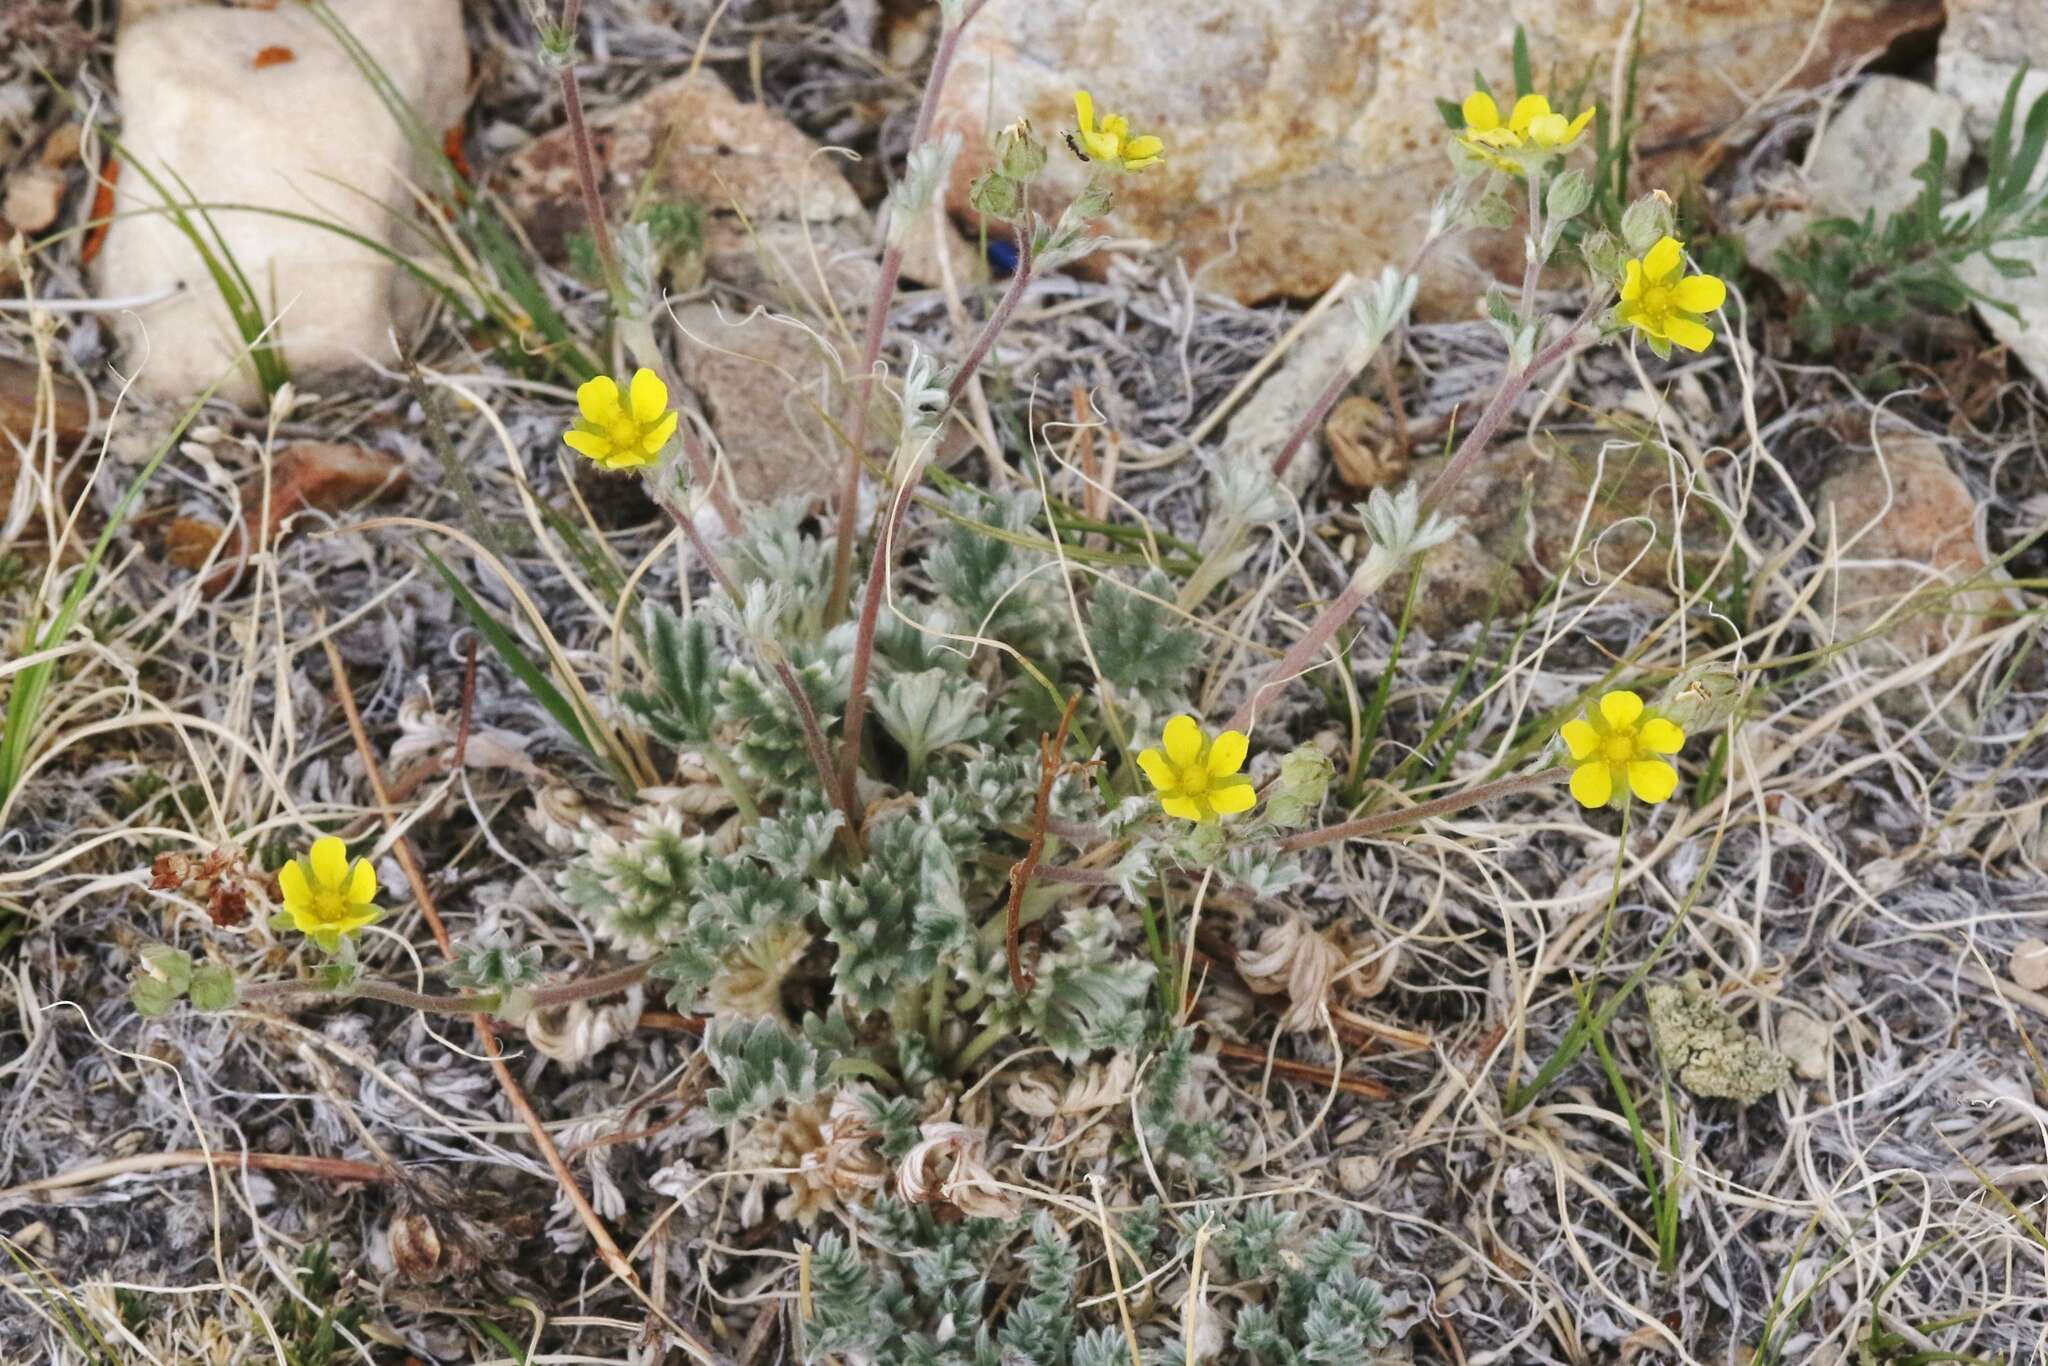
column 2030, row 964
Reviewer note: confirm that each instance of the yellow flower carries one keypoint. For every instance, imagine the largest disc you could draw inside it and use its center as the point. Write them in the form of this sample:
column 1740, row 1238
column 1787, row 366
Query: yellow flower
column 622, row 434
column 325, row 898
column 1112, row 141
column 1666, row 308
column 1198, row 779
column 1616, row 747
column 1531, row 124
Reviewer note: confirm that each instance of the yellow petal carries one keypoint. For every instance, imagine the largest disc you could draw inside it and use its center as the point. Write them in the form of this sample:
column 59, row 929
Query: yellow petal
column 291, row 880
column 1652, row 780
column 1571, row 134
column 1146, row 148
column 657, row 436
column 1157, row 769
column 1182, row 741
column 1527, row 110
column 1187, row 808
column 1660, row 736
column 1099, row 146
column 1548, row 130
column 1580, row 738
column 588, row 443
column 1084, row 112
column 1481, row 113
column 1621, row 707
column 649, row 394
column 1650, row 324
column 1664, row 259
column 1140, row 163
column 1691, row 335
column 1118, row 127
column 329, row 862
column 1231, row 798
column 1699, row 293
column 362, row 884
column 598, row 400
column 1592, row 784
column 1632, row 283
column 1226, row 756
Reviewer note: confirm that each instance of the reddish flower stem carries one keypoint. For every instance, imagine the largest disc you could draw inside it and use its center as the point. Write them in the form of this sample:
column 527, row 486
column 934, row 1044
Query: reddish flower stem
column 1384, row 821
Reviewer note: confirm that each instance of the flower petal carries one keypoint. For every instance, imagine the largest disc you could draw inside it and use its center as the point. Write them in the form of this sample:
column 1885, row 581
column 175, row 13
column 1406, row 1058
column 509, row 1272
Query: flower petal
column 291, row 880
column 1157, row 769
column 329, row 862
column 1482, row 115
column 588, row 443
column 1226, row 755
column 1653, row 780
column 362, row 884
column 1660, row 736
column 1592, row 784
column 1699, row 293
column 1231, row 798
column 1571, row 134
column 1182, row 741
column 1621, row 707
column 598, row 400
column 1187, row 808
column 649, row 394
column 1146, row 148
column 1527, row 110
column 1693, row 336
column 657, row 436
column 1581, row 739
column 1118, row 127
column 1666, row 258
column 1084, row 112
column 1632, row 283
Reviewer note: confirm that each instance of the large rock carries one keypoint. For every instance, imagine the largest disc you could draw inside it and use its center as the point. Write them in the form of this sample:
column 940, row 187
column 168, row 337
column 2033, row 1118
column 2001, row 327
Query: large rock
column 1520, row 507
column 767, row 390
column 1302, row 136
column 1916, row 533
column 263, row 107
column 1982, row 49
column 770, row 198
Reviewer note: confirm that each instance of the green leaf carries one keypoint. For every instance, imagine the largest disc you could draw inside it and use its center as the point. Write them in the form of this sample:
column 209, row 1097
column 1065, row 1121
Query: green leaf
column 151, row 997
column 507, row 648
column 214, row 988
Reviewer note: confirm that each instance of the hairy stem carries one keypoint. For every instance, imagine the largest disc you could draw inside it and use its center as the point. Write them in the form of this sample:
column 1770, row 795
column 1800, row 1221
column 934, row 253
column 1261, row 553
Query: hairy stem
column 470, row 1003
column 1443, row 806
column 586, row 160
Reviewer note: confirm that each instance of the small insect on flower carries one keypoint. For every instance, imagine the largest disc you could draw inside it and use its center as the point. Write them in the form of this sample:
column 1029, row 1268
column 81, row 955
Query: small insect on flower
column 1663, row 303
column 1617, row 750
column 622, row 432
column 1111, row 141
column 1198, row 778
column 325, row 897
column 1531, row 125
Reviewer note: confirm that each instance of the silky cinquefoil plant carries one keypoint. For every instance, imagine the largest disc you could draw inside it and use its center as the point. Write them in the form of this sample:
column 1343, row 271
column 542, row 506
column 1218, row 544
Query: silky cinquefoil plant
column 976, row 779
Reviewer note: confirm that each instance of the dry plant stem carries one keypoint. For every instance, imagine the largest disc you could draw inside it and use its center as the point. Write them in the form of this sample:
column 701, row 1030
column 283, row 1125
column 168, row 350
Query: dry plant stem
column 302, row 1164
column 878, row 321
column 885, row 542
column 1320, row 410
column 1332, row 618
column 1410, row 815
column 1243, row 1056
column 475, row 1003
column 586, row 160
column 423, row 896
column 1050, row 748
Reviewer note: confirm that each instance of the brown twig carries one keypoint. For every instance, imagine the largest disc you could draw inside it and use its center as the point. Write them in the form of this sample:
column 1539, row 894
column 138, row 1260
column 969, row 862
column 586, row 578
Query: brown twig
column 1243, row 1056
column 302, row 1164
column 586, row 163
column 1381, row 822
column 1050, row 750
column 468, row 708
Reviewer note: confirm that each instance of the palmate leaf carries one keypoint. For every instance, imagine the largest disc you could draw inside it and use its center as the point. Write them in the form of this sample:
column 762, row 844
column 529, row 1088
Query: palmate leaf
column 683, row 705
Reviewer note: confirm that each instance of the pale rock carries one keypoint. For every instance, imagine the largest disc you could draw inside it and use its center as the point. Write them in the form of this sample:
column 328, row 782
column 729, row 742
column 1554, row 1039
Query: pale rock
column 1805, row 1042
column 763, row 383
column 777, row 212
column 2030, row 964
column 34, row 194
column 1519, row 508
column 1907, row 525
column 1875, row 140
column 264, row 107
column 2026, row 336
column 1302, row 136
column 1983, row 47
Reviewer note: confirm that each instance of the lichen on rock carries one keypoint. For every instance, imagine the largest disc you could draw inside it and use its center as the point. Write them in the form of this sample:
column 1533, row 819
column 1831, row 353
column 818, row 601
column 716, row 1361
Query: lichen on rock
column 1711, row 1054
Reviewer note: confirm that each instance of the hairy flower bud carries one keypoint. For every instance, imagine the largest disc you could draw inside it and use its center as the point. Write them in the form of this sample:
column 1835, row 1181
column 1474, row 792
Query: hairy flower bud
column 1647, row 220
column 996, row 196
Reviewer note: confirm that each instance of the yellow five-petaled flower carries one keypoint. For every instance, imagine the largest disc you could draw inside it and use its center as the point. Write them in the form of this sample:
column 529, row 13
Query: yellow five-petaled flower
column 1530, row 124
column 622, row 433
column 326, row 898
column 1666, row 305
column 1198, row 778
column 1617, row 749
column 1111, row 141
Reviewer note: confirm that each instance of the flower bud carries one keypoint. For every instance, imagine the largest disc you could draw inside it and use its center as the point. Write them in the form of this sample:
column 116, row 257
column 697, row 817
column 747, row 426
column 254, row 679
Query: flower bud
column 1568, row 196
column 1019, row 155
column 996, row 196
column 1647, row 220
column 1605, row 256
